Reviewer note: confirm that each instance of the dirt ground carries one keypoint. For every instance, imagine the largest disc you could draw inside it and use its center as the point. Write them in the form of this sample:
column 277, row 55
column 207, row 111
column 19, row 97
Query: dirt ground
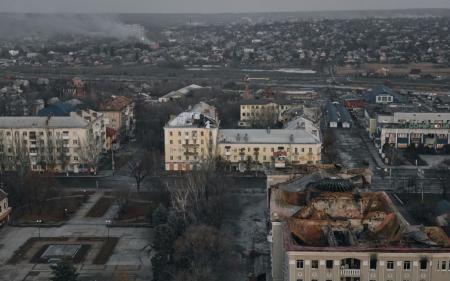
column 395, row 69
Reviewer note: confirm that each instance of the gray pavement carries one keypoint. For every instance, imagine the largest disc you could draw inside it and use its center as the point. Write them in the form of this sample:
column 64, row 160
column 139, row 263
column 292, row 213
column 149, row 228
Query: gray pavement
column 131, row 256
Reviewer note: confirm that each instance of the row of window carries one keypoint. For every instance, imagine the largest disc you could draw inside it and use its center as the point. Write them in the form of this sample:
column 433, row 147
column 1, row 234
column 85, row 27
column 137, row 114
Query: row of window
column 264, row 106
column 33, row 134
column 194, row 141
column 272, row 149
column 188, row 133
column 390, row 265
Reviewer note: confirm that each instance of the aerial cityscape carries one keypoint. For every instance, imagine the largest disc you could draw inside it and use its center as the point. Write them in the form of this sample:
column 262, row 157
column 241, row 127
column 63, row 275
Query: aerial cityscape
column 191, row 141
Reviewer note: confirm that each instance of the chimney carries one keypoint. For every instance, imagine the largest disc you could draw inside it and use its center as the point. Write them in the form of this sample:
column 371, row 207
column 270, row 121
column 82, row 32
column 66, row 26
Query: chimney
column 238, row 137
column 246, row 137
column 268, row 130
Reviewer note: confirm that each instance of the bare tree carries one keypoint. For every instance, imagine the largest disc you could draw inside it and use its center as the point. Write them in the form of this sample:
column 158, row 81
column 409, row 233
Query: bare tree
column 200, row 195
column 267, row 117
column 90, row 149
column 139, row 170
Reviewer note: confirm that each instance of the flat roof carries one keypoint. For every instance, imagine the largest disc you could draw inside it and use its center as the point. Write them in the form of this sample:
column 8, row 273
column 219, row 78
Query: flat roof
column 268, row 136
column 27, row 122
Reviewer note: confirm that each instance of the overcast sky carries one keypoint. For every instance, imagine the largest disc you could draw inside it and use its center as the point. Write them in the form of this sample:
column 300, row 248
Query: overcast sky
column 208, row 6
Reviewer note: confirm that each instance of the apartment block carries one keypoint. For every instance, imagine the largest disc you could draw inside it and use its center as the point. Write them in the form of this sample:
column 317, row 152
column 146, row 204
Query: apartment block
column 253, row 111
column 119, row 115
column 61, row 144
column 191, row 138
column 244, row 149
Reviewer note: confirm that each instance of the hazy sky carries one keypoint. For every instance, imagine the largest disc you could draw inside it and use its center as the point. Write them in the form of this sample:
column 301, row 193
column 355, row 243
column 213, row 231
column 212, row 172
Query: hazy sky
column 209, row 6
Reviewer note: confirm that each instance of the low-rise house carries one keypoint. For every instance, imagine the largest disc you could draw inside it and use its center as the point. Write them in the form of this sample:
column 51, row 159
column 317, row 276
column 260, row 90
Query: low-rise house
column 180, row 93
column 338, row 116
column 382, row 95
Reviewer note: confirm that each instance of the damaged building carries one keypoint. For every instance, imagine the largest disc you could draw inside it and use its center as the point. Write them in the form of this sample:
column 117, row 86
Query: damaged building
column 328, row 226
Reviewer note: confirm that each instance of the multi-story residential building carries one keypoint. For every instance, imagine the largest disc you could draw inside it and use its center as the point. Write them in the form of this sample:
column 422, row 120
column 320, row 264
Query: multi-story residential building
column 191, row 138
column 119, row 115
column 62, row 143
column 244, row 149
column 194, row 136
column 323, row 227
column 257, row 111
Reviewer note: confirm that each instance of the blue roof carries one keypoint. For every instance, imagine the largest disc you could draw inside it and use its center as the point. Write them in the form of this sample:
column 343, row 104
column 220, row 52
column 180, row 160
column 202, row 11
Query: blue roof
column 57, row 109
column 442, row 207
column 370, row 96
column 338, row 113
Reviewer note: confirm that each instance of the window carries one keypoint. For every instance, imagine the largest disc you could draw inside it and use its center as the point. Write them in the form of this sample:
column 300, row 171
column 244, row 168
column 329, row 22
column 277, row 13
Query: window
column 170, row 133
column 443, row 265
column 300, row 263
column 75, row 142
column 373, row 264
column 423, row 264
column 407, row 265
column 329, row 264
column 390, row 265
column 315, row 264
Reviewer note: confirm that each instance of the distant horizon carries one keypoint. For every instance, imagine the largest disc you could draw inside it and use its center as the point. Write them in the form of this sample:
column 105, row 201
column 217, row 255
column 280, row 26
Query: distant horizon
column 212, row 6
column 225, row 13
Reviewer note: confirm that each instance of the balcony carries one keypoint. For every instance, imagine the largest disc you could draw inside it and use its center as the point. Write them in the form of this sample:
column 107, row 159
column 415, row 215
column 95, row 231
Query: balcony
column 65, row 137
column 350, row 272
column 191, row 145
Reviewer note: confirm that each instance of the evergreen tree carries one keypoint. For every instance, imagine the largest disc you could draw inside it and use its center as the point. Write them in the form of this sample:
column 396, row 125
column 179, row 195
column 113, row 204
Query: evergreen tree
column 64, row 271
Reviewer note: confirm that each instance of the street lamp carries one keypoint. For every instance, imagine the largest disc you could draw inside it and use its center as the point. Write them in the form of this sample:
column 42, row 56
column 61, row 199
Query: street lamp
column 39, row 221
column 108, row 222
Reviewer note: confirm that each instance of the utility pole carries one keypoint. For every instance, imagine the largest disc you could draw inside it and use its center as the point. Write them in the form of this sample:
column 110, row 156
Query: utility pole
column 112, row 159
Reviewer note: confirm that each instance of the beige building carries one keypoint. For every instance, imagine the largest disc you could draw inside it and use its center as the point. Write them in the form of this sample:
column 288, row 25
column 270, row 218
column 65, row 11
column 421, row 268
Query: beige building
column 119, row 115
column 256, row 111
column 247, row 149
column 61, row 143
column 325, row 227
column 191, row 138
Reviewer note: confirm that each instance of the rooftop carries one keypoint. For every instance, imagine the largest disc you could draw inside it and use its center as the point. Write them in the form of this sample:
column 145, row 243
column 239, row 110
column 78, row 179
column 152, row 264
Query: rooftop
column 200, row 115
column 18, row 122
column 324, row 212
column 268, row 136
column 116, row 104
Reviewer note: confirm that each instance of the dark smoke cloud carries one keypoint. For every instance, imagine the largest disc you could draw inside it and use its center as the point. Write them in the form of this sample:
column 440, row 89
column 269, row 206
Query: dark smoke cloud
column 20, row 25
